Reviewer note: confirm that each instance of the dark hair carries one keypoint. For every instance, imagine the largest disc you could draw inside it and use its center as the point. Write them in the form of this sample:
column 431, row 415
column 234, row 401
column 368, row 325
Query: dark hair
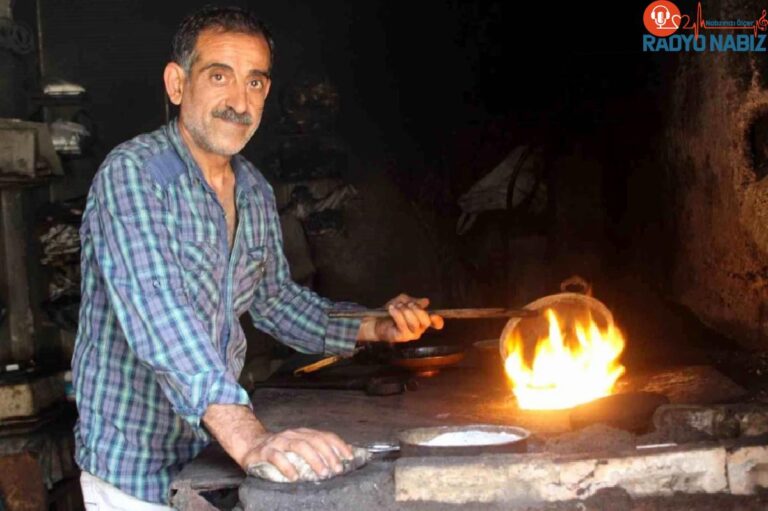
column 226, row 19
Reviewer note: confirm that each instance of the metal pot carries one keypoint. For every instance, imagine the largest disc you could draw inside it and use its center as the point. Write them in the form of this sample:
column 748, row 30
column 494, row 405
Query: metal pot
column 577, row 302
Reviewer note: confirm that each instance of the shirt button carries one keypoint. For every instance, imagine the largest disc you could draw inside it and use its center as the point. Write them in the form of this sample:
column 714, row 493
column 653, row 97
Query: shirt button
column 156, row 283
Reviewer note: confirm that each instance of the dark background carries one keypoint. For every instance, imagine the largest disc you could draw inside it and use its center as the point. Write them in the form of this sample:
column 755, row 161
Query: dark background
column 434, row 94
column 416, row 71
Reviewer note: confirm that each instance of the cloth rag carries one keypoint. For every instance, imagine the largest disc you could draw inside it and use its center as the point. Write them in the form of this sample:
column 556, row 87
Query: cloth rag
column 266, row 470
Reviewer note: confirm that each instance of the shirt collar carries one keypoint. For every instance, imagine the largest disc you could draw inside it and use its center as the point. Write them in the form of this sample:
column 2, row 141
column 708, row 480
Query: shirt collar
column 245, row 181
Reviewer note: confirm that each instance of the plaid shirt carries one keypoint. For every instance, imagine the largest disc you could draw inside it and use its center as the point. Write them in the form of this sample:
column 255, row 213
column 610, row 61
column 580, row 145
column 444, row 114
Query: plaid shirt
column 159, row 338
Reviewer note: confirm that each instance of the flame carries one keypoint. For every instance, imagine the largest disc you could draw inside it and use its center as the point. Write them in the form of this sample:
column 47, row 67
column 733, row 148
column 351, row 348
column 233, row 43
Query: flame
column 565, row 374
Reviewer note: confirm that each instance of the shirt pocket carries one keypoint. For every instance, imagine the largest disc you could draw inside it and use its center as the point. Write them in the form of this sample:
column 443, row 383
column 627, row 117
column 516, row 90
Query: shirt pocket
column 203, row 269
column 251, row 271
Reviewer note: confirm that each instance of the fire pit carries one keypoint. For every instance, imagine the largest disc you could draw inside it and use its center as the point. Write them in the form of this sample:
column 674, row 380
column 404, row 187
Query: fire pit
column 575, row 360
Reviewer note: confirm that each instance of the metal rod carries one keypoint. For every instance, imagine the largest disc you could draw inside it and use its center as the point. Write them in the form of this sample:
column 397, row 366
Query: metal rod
column 40, row 48
column 445, row 313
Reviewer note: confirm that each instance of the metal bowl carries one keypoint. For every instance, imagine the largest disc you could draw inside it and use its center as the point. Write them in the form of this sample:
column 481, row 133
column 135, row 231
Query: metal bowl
column 416, row 442
column 566, row 305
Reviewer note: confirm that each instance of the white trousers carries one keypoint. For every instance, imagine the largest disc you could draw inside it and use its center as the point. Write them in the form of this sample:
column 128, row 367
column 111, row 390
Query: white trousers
column 99, row 495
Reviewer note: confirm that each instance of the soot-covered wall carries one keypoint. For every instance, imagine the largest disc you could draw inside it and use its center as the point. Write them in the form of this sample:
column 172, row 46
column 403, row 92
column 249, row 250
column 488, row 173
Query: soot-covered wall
column 715, row 149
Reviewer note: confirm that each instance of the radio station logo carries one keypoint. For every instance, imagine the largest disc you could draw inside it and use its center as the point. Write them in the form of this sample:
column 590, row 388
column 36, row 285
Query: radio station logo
column 662, row 18
column 670, row 30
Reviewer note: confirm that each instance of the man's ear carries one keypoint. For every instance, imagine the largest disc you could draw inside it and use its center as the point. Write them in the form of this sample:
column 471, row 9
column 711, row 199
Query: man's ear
column 174, row 78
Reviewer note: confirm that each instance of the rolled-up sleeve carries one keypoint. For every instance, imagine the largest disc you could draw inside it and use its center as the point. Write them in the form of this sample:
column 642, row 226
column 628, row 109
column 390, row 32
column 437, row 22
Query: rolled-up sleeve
column 292, row 313
column 145, row 285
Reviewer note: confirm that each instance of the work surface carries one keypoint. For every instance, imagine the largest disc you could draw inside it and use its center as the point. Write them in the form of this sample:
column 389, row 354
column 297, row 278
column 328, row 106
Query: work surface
column 458, row 395
column 470, row 393
column 474, row 392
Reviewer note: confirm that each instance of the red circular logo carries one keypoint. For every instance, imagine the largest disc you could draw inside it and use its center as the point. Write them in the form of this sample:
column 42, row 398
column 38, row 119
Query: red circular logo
column 662, row 18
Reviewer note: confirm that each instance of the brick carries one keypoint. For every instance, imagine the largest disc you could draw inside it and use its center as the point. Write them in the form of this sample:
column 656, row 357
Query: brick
column 748, row 469
column 531, row 478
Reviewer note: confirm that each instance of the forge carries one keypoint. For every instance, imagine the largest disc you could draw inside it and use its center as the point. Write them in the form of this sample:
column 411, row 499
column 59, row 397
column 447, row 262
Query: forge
column 669, row 438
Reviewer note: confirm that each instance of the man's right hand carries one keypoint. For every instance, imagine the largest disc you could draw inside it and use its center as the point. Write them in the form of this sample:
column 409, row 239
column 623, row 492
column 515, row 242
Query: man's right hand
column 323, row 451
column 246, row 440
column 408, row 320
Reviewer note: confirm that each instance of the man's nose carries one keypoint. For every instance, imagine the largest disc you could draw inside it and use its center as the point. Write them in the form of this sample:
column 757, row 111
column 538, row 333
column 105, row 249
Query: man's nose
column 238, row 99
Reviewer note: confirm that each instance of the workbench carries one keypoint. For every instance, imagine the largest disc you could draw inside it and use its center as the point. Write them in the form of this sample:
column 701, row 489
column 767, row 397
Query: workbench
column 471, row 393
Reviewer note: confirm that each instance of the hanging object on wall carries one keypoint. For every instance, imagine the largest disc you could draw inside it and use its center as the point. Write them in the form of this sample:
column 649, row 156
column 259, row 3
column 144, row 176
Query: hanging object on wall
column 516, row 182
column 68, row 137
column 15, row 37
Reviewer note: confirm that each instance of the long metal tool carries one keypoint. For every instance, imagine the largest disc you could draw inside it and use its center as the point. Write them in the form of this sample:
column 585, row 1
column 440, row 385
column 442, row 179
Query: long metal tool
column 445, row 313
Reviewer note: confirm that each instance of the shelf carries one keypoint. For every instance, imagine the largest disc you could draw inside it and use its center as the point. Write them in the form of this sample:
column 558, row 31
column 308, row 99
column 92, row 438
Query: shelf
column 25, row 182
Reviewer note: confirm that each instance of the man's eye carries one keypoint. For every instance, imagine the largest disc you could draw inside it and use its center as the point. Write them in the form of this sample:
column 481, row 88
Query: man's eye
column 257, row 84
column 217, row 77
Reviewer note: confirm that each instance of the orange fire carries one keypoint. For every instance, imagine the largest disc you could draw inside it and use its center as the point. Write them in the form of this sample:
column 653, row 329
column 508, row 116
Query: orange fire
column 569, row 368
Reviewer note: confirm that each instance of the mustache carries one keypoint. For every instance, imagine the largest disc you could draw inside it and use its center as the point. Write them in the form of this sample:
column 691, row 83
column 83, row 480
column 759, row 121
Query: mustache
column 228, row 114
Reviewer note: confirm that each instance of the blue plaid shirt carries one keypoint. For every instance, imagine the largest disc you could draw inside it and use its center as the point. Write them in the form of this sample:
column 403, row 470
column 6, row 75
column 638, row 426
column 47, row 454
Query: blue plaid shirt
column 159, row 338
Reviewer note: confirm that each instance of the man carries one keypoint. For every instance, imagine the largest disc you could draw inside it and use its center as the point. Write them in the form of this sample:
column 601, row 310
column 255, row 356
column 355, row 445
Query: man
column 179, row 238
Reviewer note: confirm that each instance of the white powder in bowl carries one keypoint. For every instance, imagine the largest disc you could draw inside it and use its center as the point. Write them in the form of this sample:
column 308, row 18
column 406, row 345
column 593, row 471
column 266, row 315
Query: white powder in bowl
column 469, row 438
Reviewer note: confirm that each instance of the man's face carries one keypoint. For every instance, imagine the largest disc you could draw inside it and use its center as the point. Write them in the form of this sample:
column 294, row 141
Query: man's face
column 225, row 89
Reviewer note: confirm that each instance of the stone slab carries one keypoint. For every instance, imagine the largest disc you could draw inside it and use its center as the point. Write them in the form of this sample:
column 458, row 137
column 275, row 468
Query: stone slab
column 748, row 469
column 546, row 478
column 370, row 487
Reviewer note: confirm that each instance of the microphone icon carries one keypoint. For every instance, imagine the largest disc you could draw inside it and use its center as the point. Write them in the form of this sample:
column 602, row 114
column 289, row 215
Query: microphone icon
column 662, row 18
column 660, row 15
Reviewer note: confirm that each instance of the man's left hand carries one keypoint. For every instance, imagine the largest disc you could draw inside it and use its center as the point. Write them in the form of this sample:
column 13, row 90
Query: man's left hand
column 408, row 320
